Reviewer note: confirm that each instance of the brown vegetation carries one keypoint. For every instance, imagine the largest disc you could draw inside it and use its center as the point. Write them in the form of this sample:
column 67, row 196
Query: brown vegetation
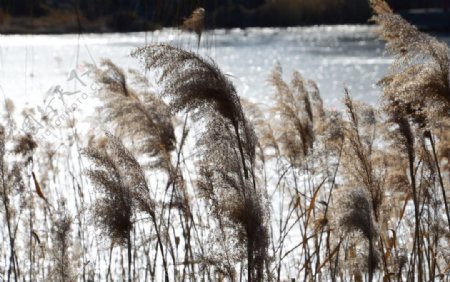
column 191, row 183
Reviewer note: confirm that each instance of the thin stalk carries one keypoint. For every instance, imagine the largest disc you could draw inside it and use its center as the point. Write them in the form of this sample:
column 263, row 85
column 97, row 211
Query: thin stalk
column 109, row 264
column 417, row 246
column 371, row 260
column 441, row 182
column 158, row 235
column 129, row 254
column 250, row 259
column 241, row 150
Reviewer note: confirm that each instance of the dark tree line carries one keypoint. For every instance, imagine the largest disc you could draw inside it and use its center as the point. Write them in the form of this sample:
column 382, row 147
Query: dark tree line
column 144, row 14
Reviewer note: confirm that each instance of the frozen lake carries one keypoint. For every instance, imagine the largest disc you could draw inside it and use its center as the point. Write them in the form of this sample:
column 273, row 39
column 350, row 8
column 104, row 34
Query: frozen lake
column 333, row 56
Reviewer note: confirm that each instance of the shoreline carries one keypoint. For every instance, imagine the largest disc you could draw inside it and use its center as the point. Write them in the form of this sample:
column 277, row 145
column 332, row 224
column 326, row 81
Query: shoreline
column 433, row 21
column 70, row 30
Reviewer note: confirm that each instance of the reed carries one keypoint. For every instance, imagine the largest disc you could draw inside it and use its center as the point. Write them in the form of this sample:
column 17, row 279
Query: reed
column 185, row 181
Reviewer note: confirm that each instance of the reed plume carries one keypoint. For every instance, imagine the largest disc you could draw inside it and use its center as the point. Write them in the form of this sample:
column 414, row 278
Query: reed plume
column 25, row 144
column 365, row 174
column 197, row 86
column 61, row 244
column 333, row 129
column 406, row 142
column 355, row 214
column 195, row 22
column 360, row 165
column 417, row 55
column 142, row 119
column 191, row 82
column 114, row 211
column 264, row 129
column 137, row 115
column 122, row 183
column 234, row 199
column 298, row 105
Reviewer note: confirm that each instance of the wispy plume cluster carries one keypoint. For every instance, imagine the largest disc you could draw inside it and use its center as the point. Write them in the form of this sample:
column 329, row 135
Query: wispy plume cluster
column 355, row 215
column 197, row 86
column 111, row 176
column 298, row 107
column 63, row 269
column 360, row 166
column 135, row 113
column 195, row 22
column 228, row 179
column 418, row 56
column 122, row 183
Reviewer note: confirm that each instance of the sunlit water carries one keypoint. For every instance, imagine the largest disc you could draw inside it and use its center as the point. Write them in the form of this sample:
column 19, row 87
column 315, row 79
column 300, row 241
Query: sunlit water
column 33, row 67
column 333, row 56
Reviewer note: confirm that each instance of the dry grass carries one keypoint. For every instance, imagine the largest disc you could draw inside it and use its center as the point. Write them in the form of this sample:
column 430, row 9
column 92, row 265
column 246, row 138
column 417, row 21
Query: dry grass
column 195, row 22
column 136, row 115
column 417, row 55
column 238, row 191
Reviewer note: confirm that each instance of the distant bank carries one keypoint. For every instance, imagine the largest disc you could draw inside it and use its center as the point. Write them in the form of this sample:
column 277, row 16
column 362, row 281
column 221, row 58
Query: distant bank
column 429, row 19
column 282, row 13
column 88, row 16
